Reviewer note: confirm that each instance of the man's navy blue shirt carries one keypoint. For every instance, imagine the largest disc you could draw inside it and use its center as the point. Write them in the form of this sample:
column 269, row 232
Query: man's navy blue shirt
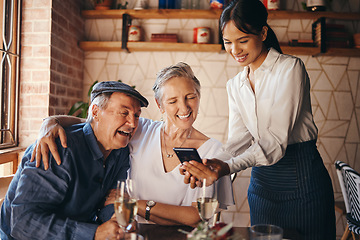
column 62, row 202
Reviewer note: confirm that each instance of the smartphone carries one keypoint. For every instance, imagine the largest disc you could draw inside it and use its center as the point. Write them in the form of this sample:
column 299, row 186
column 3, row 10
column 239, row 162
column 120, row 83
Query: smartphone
column 187, row 154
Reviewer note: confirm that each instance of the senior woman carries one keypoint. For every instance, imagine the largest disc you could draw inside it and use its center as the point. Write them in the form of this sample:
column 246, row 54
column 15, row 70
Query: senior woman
column 153, row 164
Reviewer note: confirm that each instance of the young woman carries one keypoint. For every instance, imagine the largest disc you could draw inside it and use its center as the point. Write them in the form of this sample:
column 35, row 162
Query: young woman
column 271, row 129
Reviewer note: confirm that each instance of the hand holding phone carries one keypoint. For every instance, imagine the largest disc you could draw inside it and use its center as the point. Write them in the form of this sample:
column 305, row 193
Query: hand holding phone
column 187, row 154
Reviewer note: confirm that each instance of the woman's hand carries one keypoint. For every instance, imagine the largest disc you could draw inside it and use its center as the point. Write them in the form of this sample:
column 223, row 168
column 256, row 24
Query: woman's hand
column 188, row 178
column 211, row 170
column 49, row 131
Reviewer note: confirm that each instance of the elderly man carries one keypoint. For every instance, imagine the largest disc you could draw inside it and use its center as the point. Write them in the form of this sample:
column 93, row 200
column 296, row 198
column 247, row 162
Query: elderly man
column 63, row 202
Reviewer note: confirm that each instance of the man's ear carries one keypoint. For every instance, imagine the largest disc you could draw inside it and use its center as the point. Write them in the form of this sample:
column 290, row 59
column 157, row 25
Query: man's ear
column 95, row 112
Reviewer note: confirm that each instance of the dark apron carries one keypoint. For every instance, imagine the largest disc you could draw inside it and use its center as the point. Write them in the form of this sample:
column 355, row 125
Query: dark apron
column 295, row 193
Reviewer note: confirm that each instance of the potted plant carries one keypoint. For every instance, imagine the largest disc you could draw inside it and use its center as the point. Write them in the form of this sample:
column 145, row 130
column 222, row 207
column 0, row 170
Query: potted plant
column 80, row 108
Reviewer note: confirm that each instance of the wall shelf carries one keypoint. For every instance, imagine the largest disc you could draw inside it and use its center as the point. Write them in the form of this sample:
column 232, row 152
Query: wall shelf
column 193, row 47
column 208, row 14
column 312, row 15
column 129, row 14
column 149, row 46
column 315, row 51
column 153, row 14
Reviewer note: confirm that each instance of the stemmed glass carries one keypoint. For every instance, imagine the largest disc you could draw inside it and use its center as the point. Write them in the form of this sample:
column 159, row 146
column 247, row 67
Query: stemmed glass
column 125, row 203
column 207, row 203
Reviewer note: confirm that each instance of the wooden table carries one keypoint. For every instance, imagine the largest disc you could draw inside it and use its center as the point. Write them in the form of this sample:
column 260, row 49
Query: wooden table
column 159, row 232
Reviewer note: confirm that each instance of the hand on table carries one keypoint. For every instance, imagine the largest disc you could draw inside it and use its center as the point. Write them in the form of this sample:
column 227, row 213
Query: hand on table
column 49, row 131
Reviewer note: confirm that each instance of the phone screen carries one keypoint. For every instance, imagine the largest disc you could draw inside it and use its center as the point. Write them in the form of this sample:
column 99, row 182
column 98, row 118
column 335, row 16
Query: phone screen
column 187, row 154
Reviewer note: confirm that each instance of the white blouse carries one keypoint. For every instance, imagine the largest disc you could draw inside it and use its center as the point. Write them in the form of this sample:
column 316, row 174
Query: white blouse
column 264, row 123
column 153, row 183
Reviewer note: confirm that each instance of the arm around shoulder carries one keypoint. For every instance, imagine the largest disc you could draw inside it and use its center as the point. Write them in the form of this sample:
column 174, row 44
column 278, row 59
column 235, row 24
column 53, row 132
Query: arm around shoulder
column 51, row 128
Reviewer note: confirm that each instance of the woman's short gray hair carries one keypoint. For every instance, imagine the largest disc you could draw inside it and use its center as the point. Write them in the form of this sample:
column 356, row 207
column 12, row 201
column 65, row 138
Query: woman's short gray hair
column 180, row 69
column 100, row 101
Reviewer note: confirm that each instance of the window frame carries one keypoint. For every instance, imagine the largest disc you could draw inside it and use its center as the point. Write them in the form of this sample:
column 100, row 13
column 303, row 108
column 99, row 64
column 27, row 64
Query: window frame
column 9, row 72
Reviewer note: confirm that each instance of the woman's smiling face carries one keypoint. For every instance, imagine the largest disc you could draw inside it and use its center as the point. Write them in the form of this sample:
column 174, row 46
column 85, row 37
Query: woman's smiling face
column 180, row 101
column 246, row 49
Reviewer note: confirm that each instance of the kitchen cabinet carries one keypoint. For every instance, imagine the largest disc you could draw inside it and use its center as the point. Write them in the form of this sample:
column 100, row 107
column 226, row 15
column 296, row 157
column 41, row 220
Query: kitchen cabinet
column 127, row 14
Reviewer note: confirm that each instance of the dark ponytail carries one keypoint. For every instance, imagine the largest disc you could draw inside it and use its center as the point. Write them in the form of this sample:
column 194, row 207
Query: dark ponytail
column 271, row 40
column 249, row 16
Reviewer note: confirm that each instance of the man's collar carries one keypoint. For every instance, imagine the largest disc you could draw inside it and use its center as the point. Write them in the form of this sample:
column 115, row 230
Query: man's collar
column 92, row 142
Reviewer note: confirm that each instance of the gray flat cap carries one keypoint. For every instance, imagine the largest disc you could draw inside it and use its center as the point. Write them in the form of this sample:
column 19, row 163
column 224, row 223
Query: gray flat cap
column 114, row 86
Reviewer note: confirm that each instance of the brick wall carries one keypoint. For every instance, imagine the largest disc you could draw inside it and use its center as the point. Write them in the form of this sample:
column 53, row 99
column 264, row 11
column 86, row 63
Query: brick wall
column 51, row 65
column 66, row 57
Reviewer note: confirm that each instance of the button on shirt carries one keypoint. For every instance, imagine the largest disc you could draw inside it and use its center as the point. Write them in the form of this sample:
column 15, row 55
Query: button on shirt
column 62, row 202
column 263, row 123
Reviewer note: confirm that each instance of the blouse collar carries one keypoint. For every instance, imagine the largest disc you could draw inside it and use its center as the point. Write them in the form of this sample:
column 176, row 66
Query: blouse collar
column 269, row 61
column 266, row 66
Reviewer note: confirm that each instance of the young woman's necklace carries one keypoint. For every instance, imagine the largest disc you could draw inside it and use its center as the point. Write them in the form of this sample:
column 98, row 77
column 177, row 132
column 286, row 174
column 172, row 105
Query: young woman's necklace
column 171, row 155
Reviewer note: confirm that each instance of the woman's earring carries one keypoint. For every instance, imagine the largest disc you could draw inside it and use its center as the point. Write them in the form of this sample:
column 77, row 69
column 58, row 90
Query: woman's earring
column 162, row 118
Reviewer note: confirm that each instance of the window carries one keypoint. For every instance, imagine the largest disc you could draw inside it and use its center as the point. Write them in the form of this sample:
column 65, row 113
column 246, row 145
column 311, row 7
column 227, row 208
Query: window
column 9, row 71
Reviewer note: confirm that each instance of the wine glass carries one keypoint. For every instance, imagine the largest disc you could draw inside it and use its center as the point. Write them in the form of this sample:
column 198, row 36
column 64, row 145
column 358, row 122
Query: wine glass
column 266, row 231
column 125, row 203
column 207, row 203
